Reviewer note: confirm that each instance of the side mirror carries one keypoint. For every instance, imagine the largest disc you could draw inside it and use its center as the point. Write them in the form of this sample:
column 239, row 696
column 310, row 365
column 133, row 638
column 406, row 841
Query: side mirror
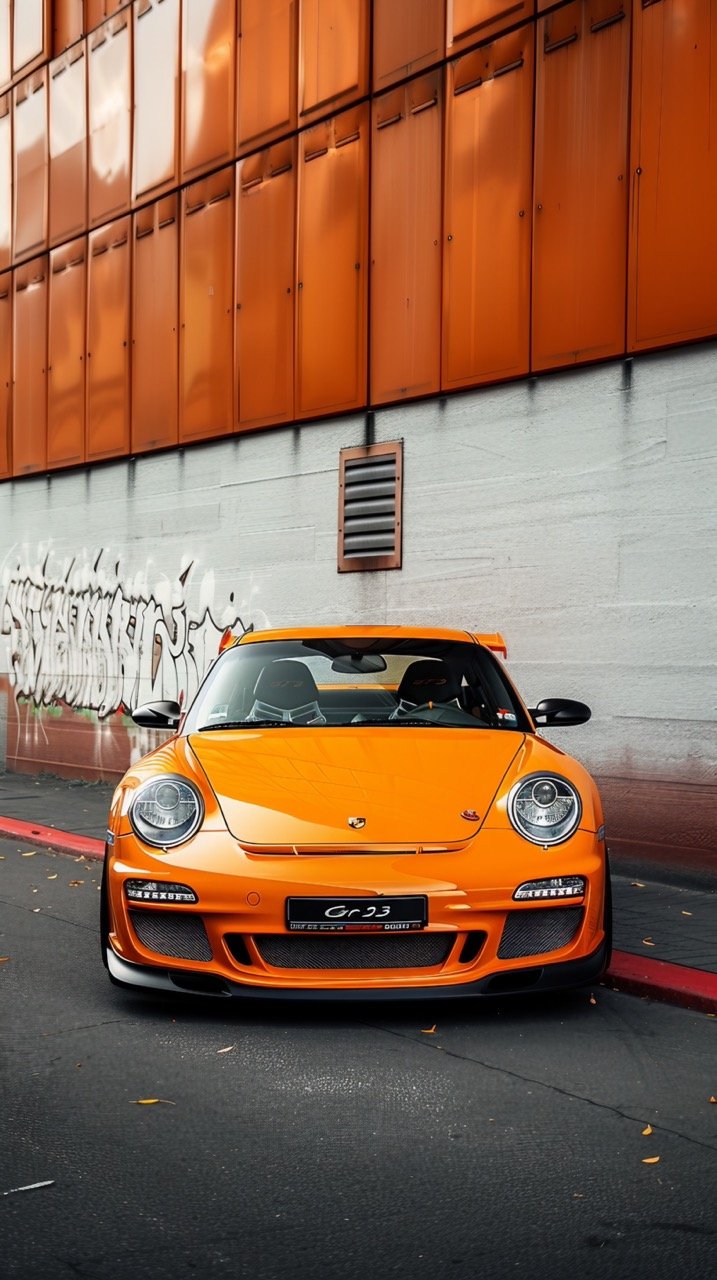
column 158, row 715
column 560, row 711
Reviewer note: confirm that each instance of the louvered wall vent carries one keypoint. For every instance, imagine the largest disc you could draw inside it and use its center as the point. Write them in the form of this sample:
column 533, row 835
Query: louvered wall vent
column 370, row 484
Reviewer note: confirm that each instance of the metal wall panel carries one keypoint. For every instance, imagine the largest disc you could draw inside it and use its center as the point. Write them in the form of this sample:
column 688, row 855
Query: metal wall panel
column 155, row 157
column 5, row 181
column 333, row 55
column 29, row 434
column 408, row 35
column 97, row 10
column 206, row 379
column 209, row 42
column 581, row 183
column 68, row 145
column 267, row 70
column 265, row 285
column 487, row 223
column 6, row 375
column 406, row 240
column 30, row 167
column 155, row 324
column 332, row 235
column 5, row 44
column 67, row 24
column 30, row 34
column 109, row 75
column 673, row 247
column 67, row 343
column 470, row 21
column 108, row 341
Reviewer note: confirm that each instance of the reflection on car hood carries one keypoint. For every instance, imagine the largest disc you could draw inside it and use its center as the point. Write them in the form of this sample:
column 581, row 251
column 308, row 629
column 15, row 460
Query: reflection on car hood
column 299, row 787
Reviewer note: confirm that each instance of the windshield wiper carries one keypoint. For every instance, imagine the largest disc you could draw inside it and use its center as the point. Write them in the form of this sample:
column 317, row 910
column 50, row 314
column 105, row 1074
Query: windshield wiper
column 251, row 724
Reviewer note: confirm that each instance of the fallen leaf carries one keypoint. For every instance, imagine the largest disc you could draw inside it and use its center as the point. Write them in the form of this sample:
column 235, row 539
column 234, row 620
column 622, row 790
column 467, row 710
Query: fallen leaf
column 651, row 1160
column 30, row 853
column 35, row 910
column 712, row 1097
column 33, row 1186
column 2, row 857
column 227, row 1050
column 648, row 942
column 637, row 884
column 149, row 1102
column 429, row 1031
column 592, row 999
column 75, row 883
column 578, row 1195
column 647, row 1131
column 53, row 876
column 4, row 960
column 687, row 913
column 35, row 891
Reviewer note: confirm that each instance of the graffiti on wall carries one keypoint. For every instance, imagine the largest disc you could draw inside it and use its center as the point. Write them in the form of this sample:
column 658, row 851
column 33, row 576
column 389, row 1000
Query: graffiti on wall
column 82, row 634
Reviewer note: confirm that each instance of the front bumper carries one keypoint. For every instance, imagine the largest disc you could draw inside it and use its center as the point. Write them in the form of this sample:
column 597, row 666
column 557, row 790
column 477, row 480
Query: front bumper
column 529, row 980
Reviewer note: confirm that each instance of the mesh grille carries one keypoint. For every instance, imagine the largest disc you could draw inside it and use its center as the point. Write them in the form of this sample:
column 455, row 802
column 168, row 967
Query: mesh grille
column 529, row 933
column 171, row 934
column 408, row 951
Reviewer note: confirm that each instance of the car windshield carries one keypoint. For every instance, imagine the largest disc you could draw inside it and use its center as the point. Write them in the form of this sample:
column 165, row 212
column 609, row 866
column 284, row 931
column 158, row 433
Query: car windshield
column 398, row 683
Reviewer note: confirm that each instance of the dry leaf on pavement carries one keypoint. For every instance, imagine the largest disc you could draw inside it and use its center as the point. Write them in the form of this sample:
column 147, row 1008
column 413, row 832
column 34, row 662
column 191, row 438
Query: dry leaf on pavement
column 686, row 913
column 592, row 998
column 30, row 853
column 651, row 1160
column 648, row 942
column 74, row 884
column 227, row 1050
column 149, row 1102
column 637, row 884
column 712, row 1097
column 53, row 876
column 4, row 960
column 647, row 1130
column 429, row 1031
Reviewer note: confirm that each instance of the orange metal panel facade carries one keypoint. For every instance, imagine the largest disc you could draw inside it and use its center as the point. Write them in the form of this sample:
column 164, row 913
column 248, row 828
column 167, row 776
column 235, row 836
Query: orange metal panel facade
column 155, row 324
column 265, row 285
column 108, row 341
column 5, row 375
column 29, row 435
column 206, row 379
column 331, row 267
column 470, row 21
column 156, row 97
column 333, row 55
column 581, row 183
column 30, row 190
column 673, row 246
column 209, row 78
column 408, row 35
column 68, row 145
column 406, row 240
column 487, row 223
column 67, row 20
column 267, row 70
column 97, row 10
column 109, row 118
column 5, row 44
column 5, row 181
column 30, row 34
column 66, row 354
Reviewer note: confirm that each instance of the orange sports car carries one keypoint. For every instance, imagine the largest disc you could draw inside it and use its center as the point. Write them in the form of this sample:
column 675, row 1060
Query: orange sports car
column 357, row 812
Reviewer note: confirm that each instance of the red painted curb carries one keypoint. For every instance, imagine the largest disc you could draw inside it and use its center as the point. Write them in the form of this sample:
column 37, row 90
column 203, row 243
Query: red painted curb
column 50, row 838
column 674, row 983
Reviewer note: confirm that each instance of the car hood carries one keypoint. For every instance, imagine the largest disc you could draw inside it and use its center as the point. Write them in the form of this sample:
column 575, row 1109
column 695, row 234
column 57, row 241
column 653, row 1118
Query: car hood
column 285, row 789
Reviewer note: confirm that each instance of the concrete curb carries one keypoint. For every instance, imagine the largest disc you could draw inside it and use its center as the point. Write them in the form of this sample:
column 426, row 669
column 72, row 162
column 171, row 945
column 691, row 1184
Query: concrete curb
column 661, row 980
column 636, row 975
column 51, row 838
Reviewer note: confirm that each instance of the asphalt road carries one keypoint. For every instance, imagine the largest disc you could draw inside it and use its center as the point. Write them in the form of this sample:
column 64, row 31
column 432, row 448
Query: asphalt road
column 452, row 1140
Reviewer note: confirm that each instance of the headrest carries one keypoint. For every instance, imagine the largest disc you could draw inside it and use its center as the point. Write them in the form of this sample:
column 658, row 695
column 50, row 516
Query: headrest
column 286, row 684
column 428, row 680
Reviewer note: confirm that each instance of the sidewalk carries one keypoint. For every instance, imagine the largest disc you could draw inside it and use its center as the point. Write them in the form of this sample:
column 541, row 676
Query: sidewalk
column 665, row 933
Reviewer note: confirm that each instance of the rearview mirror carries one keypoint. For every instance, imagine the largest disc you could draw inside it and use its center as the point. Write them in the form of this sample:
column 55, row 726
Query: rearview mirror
column 359, row 664
column 554, row 712
column 158, row 715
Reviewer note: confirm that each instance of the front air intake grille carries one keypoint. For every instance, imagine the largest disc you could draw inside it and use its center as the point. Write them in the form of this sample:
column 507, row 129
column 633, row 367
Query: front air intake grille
column 170, row 933
column 408, row 951
column 530, row 933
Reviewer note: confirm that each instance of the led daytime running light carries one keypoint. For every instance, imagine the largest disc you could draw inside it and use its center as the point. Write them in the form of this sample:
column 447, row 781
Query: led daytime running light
column 158, row 891
column 555, row 887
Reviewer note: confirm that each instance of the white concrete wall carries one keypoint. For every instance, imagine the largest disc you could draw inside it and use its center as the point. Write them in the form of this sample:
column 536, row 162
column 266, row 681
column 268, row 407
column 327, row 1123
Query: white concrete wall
column 575, row 512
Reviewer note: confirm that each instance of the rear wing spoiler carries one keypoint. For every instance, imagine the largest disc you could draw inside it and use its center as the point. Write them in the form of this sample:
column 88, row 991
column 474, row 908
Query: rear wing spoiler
column 492, row 640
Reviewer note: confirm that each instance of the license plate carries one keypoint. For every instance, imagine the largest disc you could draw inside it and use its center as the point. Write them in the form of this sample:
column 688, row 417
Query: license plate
column 356, row 915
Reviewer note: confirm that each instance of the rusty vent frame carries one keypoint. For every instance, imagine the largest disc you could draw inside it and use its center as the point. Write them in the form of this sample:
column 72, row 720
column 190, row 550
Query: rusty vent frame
column 370, row 503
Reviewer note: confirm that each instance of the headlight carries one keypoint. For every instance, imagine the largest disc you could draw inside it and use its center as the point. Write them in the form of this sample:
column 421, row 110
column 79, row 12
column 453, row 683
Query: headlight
column 544, row 808
column 166, row 811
